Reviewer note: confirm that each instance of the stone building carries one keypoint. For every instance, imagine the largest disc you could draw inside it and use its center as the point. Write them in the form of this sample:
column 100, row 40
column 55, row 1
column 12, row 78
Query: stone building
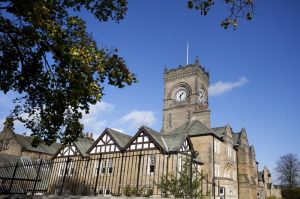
column 229, row 160
column 224, row 159
column 266, row 186
column 15, row 145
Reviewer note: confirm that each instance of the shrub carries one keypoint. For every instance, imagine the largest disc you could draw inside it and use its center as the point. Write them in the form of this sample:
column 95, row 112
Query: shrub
column 272, row 197
column 290, row 193
column 133, row 191
column 127, row 191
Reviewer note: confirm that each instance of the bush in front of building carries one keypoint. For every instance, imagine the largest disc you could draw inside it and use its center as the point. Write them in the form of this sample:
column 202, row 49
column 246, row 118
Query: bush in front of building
column 291, row 193
column 272, row 197
column 185, row 185
column 144, row 191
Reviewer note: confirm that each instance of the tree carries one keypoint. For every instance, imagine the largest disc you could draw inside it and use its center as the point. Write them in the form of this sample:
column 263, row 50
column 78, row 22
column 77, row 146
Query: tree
column 48, row 57
column 238, row 9
column 288, row 169
column 185, row 185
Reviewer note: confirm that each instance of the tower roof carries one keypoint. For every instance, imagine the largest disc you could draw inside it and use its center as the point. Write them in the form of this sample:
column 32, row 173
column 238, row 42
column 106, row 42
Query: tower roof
column 196, row 67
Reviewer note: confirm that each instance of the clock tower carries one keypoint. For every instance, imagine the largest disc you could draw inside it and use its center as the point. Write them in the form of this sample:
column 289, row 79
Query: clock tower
column 185, row 96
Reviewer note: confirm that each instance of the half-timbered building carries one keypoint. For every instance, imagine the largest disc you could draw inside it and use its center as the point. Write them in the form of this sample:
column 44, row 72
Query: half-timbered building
column 69, row 167
column 116, row 161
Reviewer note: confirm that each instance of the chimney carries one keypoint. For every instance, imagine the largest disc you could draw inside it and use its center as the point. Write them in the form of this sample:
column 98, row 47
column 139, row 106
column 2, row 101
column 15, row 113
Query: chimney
column 89, row 136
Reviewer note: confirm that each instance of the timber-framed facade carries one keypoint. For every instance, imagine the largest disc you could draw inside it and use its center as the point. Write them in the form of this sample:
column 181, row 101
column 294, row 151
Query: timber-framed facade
column 116, row 161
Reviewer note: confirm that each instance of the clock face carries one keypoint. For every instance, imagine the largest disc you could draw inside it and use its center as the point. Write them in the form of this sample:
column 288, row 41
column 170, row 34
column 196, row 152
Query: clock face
column 201, row 96
column 180, row 95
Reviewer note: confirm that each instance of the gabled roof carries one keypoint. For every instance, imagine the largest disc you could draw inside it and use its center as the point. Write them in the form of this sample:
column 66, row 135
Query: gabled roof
column 154, row 137
column 120, row 138
column 223, row 132
column 164, row 142
column 243, row 137
column 81, row 145
column 174, row 142
column 194, row 128
column 25, row 143
column 236, row 138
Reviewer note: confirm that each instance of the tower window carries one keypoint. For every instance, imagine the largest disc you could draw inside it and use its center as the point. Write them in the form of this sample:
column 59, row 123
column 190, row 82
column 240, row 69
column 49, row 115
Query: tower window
column 170, row 121
column 189, row 115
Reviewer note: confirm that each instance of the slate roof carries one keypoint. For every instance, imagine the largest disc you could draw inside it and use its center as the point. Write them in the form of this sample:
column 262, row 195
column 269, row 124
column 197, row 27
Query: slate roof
column 156, row 136
column 121, row 138
column 83, row 144
column 221, row 131
column 25, row 142
column 194, row 128
column 260, row 176
column 174, row 142
column 236, row 138
column 169, row 142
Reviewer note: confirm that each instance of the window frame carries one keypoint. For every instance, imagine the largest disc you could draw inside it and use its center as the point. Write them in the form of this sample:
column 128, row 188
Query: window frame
column 151, row 164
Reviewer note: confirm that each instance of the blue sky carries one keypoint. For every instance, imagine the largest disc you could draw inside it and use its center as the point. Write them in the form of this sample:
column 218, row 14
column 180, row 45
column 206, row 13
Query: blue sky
column 254, row 71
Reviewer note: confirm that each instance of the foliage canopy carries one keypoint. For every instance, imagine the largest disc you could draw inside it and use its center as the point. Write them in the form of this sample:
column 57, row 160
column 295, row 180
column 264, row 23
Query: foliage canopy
column 50, row 59
column 47, row 55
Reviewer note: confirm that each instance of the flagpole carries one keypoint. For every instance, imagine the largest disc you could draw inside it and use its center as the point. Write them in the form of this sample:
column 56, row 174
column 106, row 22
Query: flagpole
column 187, row 53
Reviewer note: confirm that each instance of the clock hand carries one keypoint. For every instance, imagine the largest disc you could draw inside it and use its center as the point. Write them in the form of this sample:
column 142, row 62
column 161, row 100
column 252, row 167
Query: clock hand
column 180, row 96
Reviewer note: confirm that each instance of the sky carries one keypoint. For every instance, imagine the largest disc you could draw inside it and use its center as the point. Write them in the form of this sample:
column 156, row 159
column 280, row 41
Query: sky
column 254, row 71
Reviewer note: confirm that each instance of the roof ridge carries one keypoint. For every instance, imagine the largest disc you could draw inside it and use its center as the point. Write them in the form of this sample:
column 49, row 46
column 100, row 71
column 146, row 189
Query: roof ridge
column 189, row 125
column 153, row 131
column 117, row 132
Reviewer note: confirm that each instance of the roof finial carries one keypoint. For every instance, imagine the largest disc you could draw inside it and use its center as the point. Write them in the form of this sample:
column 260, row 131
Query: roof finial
column 197, row 62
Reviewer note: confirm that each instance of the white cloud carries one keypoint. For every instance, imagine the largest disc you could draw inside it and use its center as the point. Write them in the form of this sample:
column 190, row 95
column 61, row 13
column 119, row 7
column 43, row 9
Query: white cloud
column 136, row 119
column 92, row 122
column 222, row 87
